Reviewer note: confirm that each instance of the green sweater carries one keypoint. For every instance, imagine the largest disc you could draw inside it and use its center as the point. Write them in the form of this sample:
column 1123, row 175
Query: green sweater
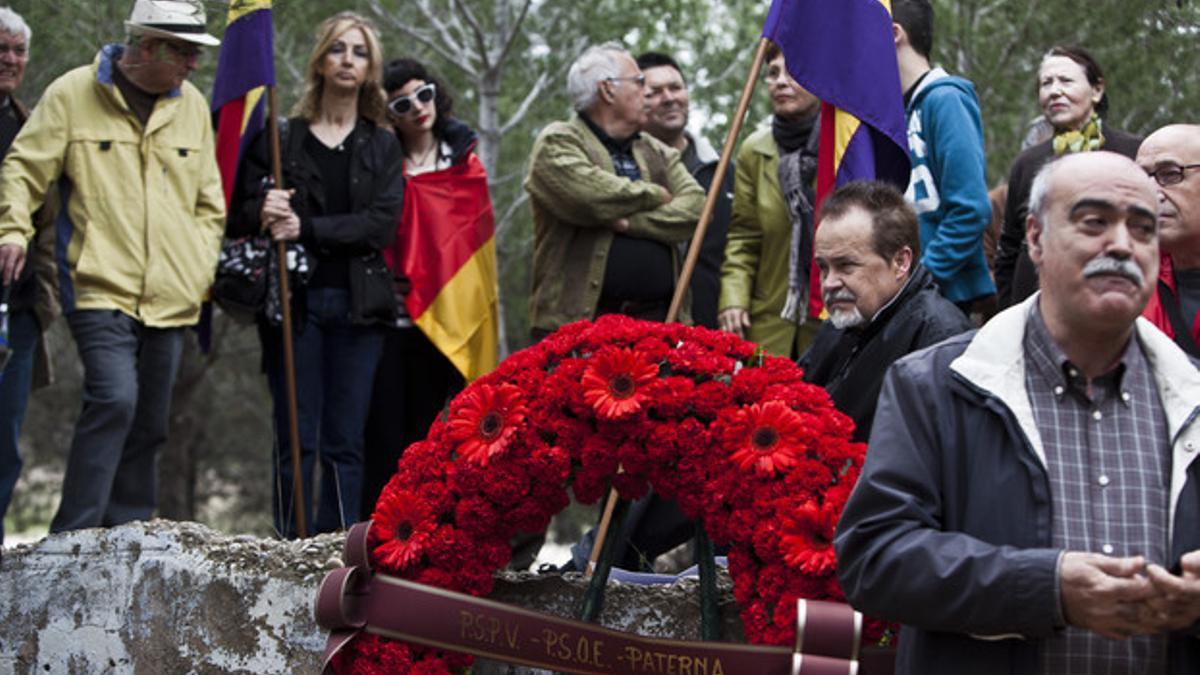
column 576, row 196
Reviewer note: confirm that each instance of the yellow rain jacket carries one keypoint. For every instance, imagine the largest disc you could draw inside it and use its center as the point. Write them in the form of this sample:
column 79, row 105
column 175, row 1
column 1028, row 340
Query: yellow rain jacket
column 142, row 210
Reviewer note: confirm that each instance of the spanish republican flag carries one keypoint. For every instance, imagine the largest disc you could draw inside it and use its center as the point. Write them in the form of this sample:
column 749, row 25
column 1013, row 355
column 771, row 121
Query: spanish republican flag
column 844, row 54
column 446, row 247
column 245, row 68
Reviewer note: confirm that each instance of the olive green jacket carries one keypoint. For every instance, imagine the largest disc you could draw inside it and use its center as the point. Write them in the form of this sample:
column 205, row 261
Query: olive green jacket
column 576, row 196
column 754, row 275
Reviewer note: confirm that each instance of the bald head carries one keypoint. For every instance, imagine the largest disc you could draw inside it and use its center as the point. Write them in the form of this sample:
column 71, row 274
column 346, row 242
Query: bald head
column 1173, row 134
column 1172, row 154
column 1094, row 238
column 1088, row 163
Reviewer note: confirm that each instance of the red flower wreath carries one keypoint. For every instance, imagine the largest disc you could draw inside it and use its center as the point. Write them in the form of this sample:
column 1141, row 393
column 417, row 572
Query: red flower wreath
column 737, row 438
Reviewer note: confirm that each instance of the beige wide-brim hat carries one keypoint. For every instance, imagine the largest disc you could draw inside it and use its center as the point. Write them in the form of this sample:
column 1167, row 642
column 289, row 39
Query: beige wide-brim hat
column 171, row 19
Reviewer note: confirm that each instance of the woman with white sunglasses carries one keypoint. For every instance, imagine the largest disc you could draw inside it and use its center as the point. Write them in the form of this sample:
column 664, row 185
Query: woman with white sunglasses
column 444, row 266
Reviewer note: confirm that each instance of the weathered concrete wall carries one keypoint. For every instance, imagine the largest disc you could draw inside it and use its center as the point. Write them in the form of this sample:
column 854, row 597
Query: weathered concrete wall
column 161, row 597
column 166, row 597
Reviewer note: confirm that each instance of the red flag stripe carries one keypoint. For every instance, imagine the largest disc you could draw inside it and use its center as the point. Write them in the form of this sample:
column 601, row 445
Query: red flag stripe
column 229, row 142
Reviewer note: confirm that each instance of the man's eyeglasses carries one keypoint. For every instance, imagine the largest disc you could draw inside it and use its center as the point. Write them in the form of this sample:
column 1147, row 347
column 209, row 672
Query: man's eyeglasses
column 640, row 80
column 1170, row 174
column 402, row 105
column 183, row 50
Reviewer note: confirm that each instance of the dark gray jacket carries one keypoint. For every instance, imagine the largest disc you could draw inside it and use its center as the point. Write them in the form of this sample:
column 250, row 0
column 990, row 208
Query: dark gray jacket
column 948, row 530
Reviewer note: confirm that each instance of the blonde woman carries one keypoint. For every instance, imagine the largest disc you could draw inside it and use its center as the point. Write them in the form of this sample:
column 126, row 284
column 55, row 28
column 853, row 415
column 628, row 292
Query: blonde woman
column 345, row 187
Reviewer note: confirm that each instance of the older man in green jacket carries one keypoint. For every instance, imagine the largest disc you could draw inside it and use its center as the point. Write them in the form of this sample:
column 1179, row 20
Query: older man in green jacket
column 609, row 203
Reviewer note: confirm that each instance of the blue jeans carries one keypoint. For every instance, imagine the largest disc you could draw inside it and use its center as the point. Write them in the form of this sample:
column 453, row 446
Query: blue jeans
column 128, row 374
column 15, row 381
column 335, row 368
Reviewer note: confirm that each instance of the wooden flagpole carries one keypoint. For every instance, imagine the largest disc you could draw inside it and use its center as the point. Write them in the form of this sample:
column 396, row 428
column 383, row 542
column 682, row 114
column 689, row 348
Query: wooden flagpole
column 693, row 254
column 289, row 358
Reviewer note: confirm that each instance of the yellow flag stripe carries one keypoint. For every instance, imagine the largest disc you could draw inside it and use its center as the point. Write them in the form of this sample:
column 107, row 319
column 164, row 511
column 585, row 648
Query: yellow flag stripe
column 252, row 98
column 463, row 320
column 845, row 126
column 240, row 8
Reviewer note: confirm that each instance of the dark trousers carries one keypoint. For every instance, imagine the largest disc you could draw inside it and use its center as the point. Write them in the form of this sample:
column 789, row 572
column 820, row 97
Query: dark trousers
column 412, row 386
column 128, row 373
column 15, row 381
column 335, row 365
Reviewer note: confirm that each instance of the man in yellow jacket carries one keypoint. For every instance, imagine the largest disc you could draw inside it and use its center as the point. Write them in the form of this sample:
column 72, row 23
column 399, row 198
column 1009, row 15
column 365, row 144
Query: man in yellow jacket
column 129, row 143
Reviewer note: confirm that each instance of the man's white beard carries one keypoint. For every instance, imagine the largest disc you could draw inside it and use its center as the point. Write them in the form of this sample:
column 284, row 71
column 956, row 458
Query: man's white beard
column 843, row 319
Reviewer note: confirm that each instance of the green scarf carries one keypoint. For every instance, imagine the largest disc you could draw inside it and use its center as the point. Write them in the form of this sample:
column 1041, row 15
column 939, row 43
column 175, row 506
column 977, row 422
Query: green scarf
column 1087, row 139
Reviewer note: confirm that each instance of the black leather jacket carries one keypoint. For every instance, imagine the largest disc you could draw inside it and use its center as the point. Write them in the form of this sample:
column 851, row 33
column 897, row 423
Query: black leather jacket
column 376, row 198
column 850, row 364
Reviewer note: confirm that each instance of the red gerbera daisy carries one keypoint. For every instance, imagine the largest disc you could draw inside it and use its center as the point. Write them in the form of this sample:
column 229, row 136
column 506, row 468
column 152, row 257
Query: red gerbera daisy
column 485, row 421
column 807, row 538
column 402, row 525
column 766, row 437
column 614, row 382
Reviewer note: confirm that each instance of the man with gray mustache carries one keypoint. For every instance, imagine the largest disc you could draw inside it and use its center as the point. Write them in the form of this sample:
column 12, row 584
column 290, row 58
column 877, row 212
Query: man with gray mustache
column 882, row 302
column 1030, row 501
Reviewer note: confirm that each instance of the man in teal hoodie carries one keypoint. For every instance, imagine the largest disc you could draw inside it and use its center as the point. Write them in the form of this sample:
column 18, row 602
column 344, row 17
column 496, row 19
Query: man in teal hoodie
column 948, row 188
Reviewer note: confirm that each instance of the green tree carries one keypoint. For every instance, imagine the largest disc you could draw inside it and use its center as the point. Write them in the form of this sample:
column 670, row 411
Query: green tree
column 1147, row 50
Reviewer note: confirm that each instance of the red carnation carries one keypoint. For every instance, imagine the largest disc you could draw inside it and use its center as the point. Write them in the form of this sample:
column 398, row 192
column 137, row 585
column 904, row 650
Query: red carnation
column 767, row 437
column 807, row 540
column 485, row 421
column 614, row 382
column 403, row 523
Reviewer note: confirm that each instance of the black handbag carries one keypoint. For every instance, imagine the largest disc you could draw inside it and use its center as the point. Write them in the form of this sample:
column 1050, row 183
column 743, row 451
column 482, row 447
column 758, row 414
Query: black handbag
column 247, row 283
column 240, row 288
column 372, row 296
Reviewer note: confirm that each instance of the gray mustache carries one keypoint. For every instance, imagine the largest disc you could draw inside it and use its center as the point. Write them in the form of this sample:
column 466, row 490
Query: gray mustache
column 838, row 296
column 1109, row 265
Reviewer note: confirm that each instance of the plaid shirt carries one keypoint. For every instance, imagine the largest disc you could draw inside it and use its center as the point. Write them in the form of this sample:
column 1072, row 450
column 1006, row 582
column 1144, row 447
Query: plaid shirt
column 621, row 151
column 1108, row 460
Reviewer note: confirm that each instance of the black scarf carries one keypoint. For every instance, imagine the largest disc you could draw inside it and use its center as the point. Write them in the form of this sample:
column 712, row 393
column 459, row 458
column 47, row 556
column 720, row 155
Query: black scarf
column 797, row 178
column 792, row 134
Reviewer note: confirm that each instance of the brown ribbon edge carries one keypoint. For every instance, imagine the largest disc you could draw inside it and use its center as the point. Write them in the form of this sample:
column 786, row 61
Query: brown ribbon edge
column 331, row 611
column 822, row 665
column 828, row 608
column 356, row 552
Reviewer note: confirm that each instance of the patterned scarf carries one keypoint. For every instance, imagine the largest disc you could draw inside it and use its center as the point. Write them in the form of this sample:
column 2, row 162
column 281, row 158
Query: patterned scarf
column 797, row 175
column 1087, row 139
